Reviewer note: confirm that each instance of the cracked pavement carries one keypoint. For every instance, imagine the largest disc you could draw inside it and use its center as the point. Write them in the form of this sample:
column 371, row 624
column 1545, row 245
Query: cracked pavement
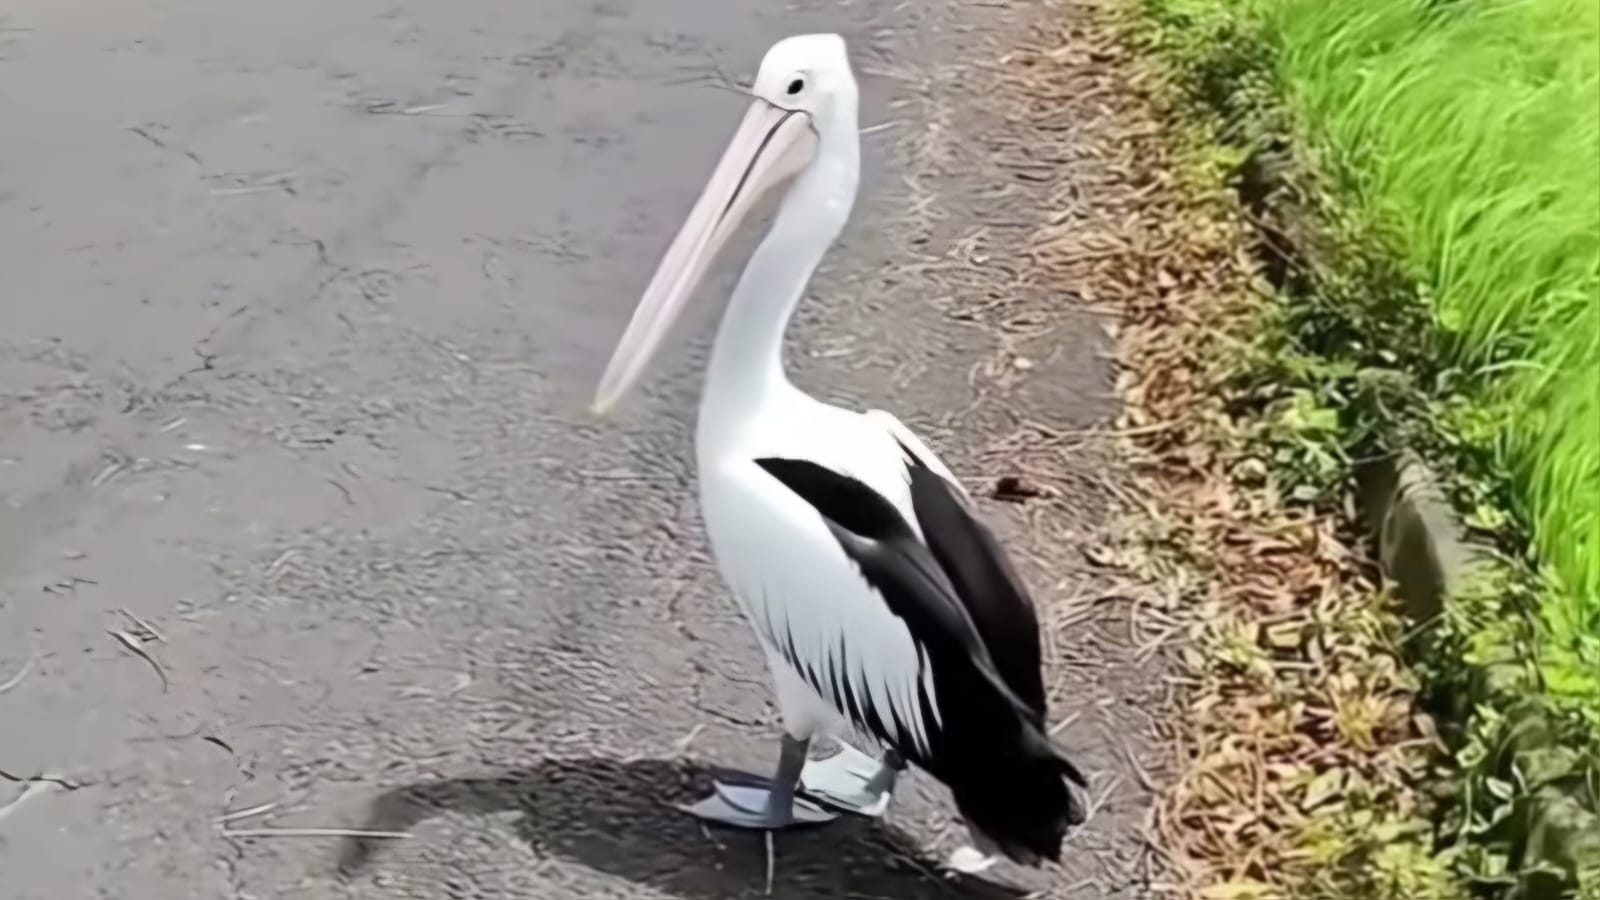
column 303, row 307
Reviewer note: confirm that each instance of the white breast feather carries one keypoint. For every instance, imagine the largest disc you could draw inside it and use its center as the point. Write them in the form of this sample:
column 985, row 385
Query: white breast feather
column 798, row 586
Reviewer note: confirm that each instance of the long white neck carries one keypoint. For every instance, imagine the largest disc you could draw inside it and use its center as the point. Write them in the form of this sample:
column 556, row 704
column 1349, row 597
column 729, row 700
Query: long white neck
column 746, row 370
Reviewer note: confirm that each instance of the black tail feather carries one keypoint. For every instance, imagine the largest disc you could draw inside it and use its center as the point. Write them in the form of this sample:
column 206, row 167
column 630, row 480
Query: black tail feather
column 1026, row 812
column 1023, row 805
column 1039, row 745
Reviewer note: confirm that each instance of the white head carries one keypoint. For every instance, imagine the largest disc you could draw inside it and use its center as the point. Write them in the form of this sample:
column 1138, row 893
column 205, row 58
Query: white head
column 804, row 115
column 810, row 73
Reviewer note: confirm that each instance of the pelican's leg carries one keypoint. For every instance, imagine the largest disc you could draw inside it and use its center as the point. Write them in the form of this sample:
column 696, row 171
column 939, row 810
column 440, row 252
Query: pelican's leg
column 853, row 781
column 771, row 807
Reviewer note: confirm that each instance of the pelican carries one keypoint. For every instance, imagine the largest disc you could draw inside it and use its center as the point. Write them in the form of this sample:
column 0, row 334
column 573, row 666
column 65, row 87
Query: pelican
column 882, row 603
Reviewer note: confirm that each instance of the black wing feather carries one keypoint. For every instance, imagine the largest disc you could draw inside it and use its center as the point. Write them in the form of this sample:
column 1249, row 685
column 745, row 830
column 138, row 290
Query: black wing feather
column 984, row 580
column 916, row 589
column 968, row 613
column 874, row 535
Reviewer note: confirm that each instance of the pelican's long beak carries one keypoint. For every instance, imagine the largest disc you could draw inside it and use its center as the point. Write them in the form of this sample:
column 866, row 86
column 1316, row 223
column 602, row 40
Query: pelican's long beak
column 771, row 145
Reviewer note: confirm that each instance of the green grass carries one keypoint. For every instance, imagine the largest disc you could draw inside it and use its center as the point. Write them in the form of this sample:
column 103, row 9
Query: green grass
column 1469, row 132
column 1437, row 167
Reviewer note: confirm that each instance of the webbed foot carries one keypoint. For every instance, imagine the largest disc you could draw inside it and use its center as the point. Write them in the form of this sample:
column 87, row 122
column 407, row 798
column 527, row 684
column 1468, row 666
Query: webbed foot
column 764, row 805
column 758, row 808
column 852, row 781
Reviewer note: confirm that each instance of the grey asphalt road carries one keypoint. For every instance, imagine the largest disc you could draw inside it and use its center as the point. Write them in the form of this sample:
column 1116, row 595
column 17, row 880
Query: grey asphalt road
column 301, row 306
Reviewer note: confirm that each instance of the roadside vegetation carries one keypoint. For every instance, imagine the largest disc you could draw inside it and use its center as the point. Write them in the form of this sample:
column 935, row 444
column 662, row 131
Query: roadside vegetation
column 1398, row 205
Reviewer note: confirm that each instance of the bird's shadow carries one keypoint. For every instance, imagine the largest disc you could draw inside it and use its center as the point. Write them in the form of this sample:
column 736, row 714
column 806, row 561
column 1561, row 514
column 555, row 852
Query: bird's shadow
column 615, row 816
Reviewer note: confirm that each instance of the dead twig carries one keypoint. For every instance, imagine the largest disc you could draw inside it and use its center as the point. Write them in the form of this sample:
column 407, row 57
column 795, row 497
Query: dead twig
column 146, row 631
column 27, row 666
column 132, row 644
column 287, row 832
column 249, row 812
column 682, row 744
column 772, row 863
